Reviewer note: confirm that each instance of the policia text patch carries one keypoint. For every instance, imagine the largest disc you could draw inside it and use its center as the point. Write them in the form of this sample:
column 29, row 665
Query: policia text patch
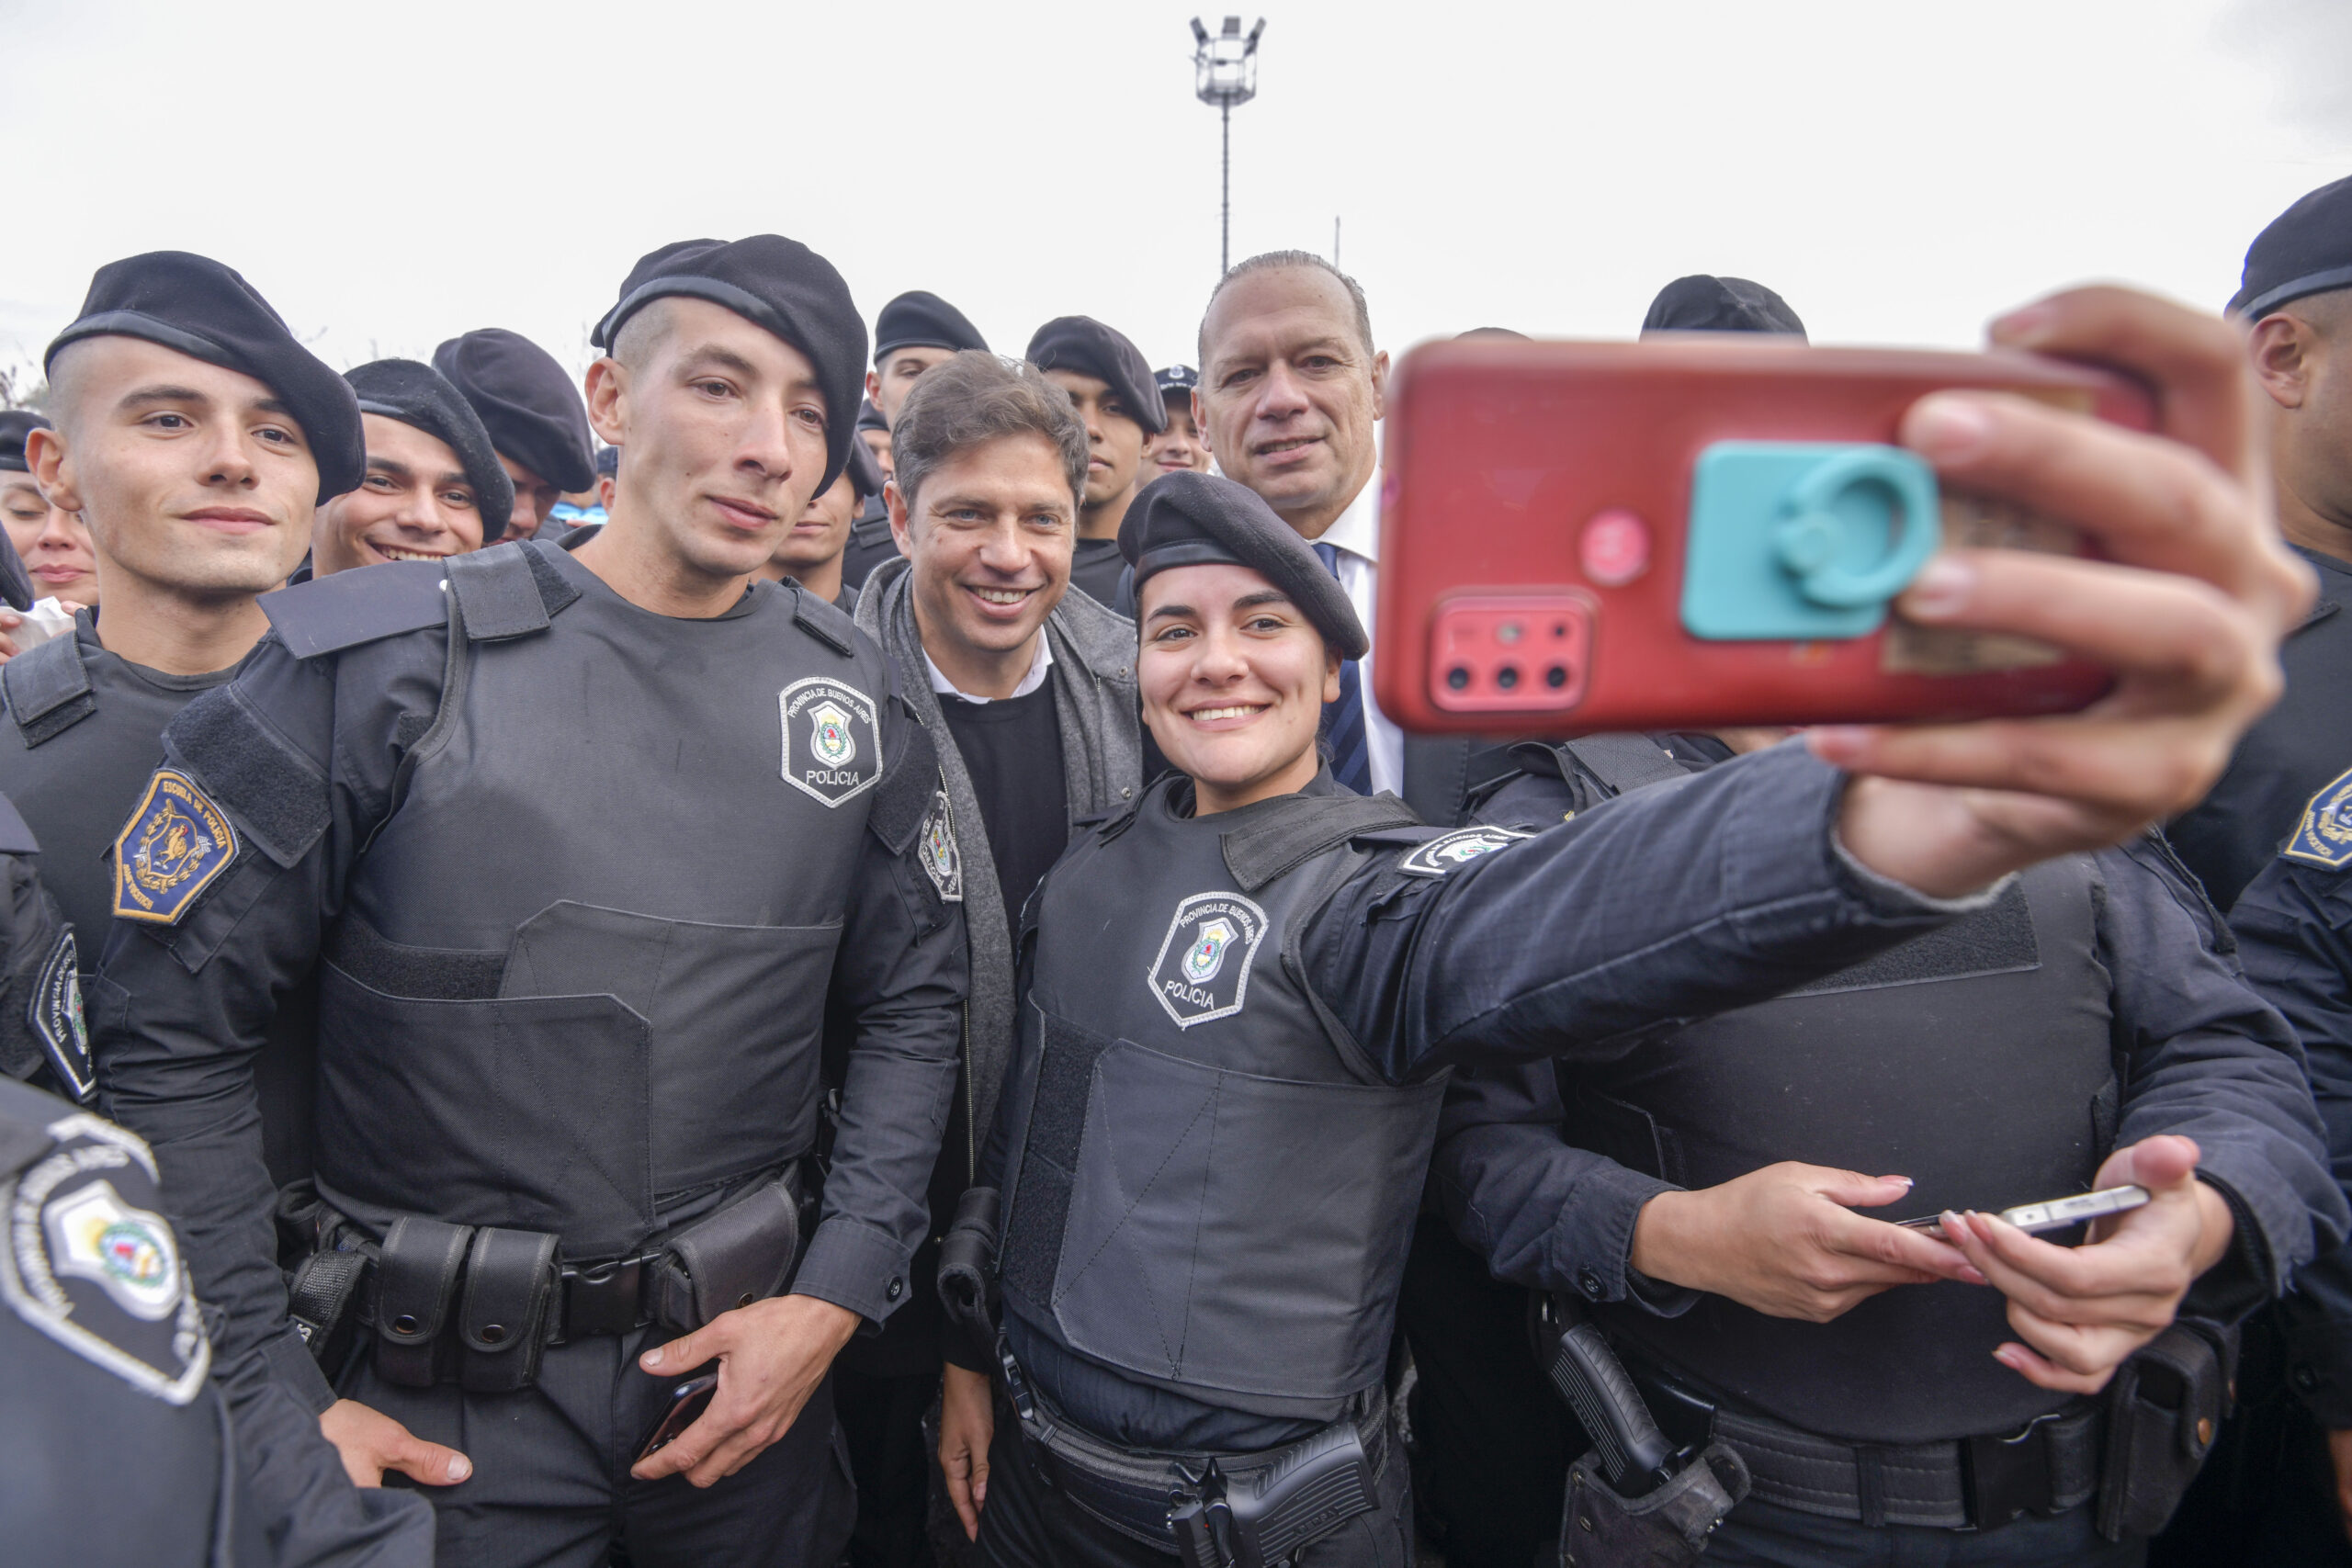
column 832, row 748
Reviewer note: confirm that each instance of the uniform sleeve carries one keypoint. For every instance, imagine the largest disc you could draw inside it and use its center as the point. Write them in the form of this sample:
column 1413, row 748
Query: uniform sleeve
column 2205, row 1057
column 901, row 976
column 2291, row 924
column 179, row 1006
column 1638, row 917
column 1543, row 1213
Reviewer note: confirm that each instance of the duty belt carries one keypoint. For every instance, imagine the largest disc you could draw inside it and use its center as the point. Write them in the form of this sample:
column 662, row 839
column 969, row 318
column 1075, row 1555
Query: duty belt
column 1214, row 1510
column 2048, row 1465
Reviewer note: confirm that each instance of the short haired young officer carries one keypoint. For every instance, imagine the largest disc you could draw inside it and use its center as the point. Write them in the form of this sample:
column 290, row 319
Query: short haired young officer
column 196, row 438
column 1110, row 386
column 812, row 553
column 51, row 544
column 532, row 410
column 569, row 1049
column 433, row 485
column 1028, row 692
column 1177, row 446
column 1242, row 995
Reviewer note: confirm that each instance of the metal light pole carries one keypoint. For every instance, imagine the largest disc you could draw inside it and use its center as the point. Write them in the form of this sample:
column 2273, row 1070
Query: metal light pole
column 1224, row 73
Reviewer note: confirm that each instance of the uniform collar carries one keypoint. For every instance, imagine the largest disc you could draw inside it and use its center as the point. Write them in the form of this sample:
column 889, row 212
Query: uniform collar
column 1356, row 531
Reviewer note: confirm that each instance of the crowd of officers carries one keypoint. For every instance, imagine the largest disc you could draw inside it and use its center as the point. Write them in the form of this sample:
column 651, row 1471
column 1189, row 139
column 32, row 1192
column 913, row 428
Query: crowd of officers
column 817, row 952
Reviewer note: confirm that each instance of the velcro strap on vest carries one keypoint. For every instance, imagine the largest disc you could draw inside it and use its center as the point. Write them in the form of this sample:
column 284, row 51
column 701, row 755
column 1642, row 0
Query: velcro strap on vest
column 904, row 796
column 1624, row 763
column 824, row 622
column 1285, row 840
column 47, row 691
column 498, row 593
column 278, row 795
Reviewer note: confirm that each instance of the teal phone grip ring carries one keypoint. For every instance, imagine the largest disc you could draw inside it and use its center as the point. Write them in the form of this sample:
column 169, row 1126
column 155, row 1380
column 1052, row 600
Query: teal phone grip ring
column 1804, row 540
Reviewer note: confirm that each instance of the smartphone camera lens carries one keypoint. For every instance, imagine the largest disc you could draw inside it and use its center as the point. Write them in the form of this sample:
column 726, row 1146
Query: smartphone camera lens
column 1508, row 677
column 1559, row 631
column 1556, row 676
column 1458, row 677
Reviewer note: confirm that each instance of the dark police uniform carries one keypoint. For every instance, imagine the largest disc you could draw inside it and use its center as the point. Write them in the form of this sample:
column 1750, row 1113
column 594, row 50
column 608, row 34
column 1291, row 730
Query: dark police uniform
column 1996, row 1060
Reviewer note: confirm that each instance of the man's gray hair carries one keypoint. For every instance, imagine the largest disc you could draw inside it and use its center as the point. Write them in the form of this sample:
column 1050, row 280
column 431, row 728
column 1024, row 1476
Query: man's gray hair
column 1271, row 261
column 975, row 397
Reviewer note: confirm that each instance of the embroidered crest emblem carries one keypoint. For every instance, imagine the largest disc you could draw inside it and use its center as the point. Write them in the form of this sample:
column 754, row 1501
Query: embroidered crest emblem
column 176, row 843
column 1202, row 970
column 943, row 862
column 96, row 1272
column 55, row 1015
column 831, row 750
column 1452, row 851
column 2325, row 836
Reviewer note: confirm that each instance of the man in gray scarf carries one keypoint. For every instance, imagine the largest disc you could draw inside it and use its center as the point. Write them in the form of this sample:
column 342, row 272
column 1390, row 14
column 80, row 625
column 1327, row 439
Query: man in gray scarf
column 1029, row 694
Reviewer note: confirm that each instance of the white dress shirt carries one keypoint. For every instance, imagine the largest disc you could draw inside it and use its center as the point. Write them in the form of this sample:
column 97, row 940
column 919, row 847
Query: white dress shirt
column 1355, row 534
column 1029, row 682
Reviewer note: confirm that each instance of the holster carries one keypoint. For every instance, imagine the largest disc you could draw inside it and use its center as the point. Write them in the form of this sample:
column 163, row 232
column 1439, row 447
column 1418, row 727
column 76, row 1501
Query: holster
column 2164, row 1406
column 502, row 1320
column 1667, row 1527
column 1312, row 1487
column 740, row 1253
column 322, row 1298
column 967, row 1270
column 416, row 1279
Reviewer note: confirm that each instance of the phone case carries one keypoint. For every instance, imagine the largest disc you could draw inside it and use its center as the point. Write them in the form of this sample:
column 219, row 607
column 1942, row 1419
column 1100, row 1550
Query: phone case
column 1578, row 537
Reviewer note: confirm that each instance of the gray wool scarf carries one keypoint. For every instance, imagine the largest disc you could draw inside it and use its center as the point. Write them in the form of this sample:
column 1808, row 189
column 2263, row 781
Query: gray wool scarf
column 1093, row 679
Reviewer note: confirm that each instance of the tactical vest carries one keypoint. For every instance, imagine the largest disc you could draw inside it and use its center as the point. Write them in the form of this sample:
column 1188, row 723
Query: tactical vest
column 1215, row 1187
column 1976, row 1059
column 581, row 969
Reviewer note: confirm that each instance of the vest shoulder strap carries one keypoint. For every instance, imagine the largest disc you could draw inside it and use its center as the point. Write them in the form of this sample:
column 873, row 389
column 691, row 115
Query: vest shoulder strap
column 507, row 591
column 1284, row 841
column 327, row 615
column 824, row 622
column 1624, row 762
column 48, row 690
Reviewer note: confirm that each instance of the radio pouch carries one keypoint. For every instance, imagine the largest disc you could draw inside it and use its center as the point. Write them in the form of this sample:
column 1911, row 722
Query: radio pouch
column 2163, row 1407
column 1665, row 1527
column 503, row 1318
column 416, row 1277
column 741, row 1254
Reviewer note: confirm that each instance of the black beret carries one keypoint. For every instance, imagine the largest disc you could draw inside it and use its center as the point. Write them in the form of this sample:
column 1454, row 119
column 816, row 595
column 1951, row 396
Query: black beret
column 608, row 461
column 15, row 425
column 864, row 472
column 1189, row 519
column 2306, row 250
column 526, row 402
column 1085, row 346
column 1175, row 378
column 775, row 283
column 419, row 395
column 194, row 306
column 870, row 418
column 1703, row 304
column 921, row 318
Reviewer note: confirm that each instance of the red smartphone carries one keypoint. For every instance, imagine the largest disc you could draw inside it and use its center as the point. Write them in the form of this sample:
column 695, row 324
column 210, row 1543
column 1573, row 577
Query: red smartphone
column 1584, row 537
column 687, row 1402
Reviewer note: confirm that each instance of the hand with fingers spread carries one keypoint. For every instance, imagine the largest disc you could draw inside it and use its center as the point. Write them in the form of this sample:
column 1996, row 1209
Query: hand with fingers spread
column 770, row 1355
column 2081, row 1311
column 967, row 1426
column 372, row 1443
column 2186, row 609
column 1785, row 1241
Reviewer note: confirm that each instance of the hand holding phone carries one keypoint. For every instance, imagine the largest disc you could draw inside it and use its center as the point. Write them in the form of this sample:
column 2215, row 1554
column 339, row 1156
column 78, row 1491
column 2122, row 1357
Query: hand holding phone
column 2055, row 1214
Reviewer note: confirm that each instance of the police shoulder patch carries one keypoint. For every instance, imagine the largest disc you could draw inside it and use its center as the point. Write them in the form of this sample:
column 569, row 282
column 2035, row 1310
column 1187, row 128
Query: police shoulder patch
column 1449, row 852
column 832, row 748
column 95, row 1271
column 55, row 1015
column 1202, row 970
column 177, row 842
column 2324, row 835
column 942, row 861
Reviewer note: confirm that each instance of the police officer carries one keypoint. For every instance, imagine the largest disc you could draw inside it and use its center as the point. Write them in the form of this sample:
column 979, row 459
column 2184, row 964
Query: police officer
column 812, row 553
column 536, row 420
column 2296, row 303
column 1110, row 386
column 1177, row 446
column 914, row 332
column 567, row 1052
column 50, row 543
column 433, row 484
column 1241, row 995
column 197, row 439
column 1705, row 303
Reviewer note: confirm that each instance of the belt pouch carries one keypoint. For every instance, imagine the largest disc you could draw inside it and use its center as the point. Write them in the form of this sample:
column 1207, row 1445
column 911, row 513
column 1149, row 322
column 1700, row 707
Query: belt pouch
column 416, row 1276
column 503, row 1319
column 1665, row 1527
column 319, row 1299
column 740, row 1255
column 2163, row 1408
column 966, row 1265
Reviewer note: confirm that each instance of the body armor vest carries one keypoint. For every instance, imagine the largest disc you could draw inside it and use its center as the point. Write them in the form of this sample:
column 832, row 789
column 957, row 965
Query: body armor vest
column 581, row 966
column 1215, row 1189
column 1976, row 1059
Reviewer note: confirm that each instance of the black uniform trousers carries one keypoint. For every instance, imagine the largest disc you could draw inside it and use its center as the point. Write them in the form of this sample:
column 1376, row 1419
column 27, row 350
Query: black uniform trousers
column 551, row 1486
column 1763, row 1535
column 1027, row 1524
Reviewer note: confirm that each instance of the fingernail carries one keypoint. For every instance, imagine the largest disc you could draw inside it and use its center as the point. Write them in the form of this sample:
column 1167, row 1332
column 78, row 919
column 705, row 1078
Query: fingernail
column 1951, row 1222
column 2022, row 329
column 1905, row 1179
column 652, row 1358
column 1948, row 428
column 459, row 1467
column 1942, row 588
column 1837, row 744
column 1973, row 1276
column 2007, row 1356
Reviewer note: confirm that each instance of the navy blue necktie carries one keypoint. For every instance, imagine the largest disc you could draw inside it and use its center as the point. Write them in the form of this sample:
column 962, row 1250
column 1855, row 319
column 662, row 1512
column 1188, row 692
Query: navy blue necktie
column 1343, row 726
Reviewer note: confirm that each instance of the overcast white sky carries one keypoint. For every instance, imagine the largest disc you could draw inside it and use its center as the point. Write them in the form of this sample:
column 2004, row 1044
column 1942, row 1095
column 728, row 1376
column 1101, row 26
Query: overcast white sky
column 389, row 174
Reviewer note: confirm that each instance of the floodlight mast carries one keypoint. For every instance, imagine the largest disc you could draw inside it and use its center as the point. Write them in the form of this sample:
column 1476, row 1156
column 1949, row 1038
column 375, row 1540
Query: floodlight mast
column 1224, row 73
